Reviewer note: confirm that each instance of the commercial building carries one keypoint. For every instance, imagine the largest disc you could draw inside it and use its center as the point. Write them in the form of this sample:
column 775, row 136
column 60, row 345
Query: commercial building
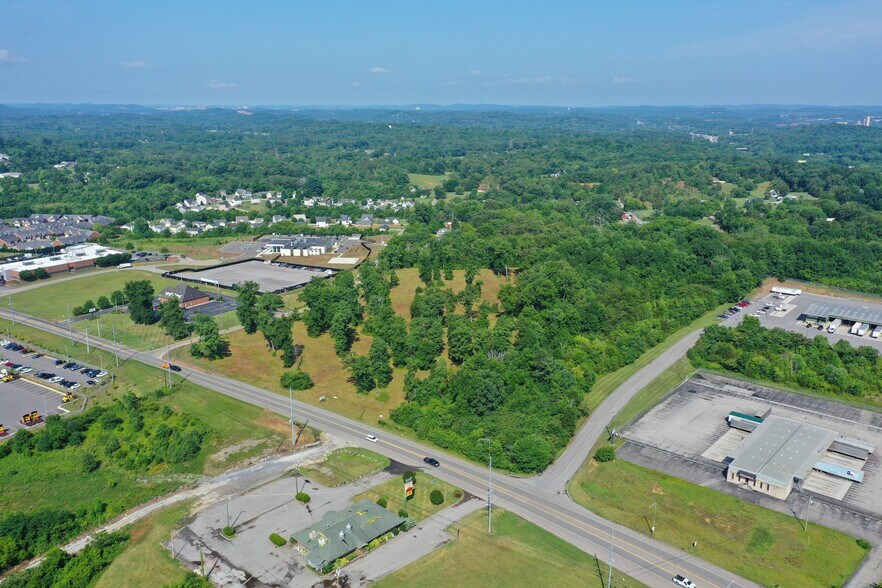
column 302, row 246
column 781, row 452
column 70, row 259
column 848, row 312
column 187, row 296
column 338, row 534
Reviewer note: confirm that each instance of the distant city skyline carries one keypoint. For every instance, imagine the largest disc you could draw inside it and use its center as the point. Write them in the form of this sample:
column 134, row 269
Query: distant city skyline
column 636, row 52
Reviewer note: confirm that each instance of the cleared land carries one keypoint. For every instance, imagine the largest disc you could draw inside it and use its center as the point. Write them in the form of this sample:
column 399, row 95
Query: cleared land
column 51, row 301
column 426, row 181
column 516, row 554
column 207, row 248
column 419, row 506
column 345, row 465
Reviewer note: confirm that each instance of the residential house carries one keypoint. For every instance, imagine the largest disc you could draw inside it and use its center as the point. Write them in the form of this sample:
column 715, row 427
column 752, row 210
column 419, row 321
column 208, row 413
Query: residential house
column 187, row 296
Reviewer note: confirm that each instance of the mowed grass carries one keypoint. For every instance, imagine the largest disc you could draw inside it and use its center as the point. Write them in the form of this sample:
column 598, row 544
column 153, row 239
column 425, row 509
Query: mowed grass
column 345, row 465
column 409, row 280
column 517, row 554
column 206, row 248
column 761, row 545
column 51, row 301
column 251, row 361
column 145, row 562
column 118, row 325
column 607, row 383
column 426, row 181
column 419, row 506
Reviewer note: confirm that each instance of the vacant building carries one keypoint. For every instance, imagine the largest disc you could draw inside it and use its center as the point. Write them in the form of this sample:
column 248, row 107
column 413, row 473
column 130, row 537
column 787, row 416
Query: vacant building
column 187, row 296
column 338, row 534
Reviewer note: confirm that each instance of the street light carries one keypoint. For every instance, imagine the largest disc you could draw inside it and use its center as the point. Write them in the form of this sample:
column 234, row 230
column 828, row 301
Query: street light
column 490, row 486
column 653, row 506
column 807, row 507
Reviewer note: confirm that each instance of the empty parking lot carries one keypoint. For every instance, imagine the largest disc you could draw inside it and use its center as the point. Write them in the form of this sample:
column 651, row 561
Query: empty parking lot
column 270, row 277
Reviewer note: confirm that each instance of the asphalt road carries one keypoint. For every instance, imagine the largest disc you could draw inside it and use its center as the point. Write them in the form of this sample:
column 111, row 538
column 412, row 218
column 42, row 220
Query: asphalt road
column 635, row 554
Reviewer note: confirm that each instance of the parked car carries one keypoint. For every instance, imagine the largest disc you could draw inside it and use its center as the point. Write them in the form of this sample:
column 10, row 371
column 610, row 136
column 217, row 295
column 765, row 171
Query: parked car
column 91, row 382
column 56, row 379
column 37, row 355
column 26, row 369
column 59, row 361
column 432, row 461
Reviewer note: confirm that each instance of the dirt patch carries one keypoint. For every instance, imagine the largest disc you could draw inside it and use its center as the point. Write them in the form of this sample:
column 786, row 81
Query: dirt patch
column 226, row 452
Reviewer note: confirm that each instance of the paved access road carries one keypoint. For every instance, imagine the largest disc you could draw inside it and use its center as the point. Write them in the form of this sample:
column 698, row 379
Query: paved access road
column 635, row 554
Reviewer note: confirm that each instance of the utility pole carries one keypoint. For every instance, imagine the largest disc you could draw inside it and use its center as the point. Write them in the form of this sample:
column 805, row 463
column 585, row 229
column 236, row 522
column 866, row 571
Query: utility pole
column 653, row 506
column 807, row 507
column 88, row 349
column 490, row 486
column 168, row 367
column 69, row 327
column 228, row 510
column 11, row 308
column 293, row 425
column 98, row 322
column 115, row 350
column 611, row 559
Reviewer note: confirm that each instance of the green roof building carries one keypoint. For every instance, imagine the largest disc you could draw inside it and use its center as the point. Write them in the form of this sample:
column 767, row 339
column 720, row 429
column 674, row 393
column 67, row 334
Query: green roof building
column 340, row 533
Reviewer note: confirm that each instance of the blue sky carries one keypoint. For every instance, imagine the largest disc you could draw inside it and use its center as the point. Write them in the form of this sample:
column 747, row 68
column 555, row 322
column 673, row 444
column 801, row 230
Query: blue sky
column 581, row 53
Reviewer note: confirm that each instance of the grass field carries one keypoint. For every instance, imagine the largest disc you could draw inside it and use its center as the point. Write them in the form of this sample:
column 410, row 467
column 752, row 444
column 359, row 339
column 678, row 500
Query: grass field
column 606, row 383
column 409, row 280
column 516, row 555
column 145, row 562
column 761, row 545
column 425, row 181
column 760, row 191
column 51, row 301
column 140, row 337
column 203, row 248
column 419, row 506
column 345, row 465
column 252, row 362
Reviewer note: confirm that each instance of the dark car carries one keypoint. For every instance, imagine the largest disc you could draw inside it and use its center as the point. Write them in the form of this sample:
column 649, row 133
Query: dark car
column 91, row 382
column 174, row 368
column 432, row 461
column 59, row 361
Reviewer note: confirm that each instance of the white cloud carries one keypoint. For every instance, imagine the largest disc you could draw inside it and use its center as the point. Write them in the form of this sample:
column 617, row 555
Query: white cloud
column 135, row 65
column 542, row 80
column 379, row 70
column 6, row 56
column 623, row 81
column 474, row 72
column 355, row 84
column 216, row 85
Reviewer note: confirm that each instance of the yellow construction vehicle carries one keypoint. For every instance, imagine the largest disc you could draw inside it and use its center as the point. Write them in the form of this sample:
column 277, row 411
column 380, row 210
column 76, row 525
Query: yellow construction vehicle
column 68, row 397
column 10, row 377
column 31, row 419
column 3, row 431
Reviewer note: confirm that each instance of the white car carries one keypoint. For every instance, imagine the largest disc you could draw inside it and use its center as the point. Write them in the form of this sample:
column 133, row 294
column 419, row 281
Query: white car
column 372, row 438
column 75, row 386
column 26, row 369
column 56, row 379
column 682, row 581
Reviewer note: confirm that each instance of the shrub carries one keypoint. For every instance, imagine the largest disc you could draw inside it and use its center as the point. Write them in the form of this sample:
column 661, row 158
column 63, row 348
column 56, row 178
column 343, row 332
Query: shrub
column 90, row 463
column 436, row 497
column 381, row 501
column 395, row 531
column 228, row 531
column 277, row 539
column 296, row 380
column 864, row 544
column 303, row 497
column 605, row 453
column 409, row 475
column 402, row 513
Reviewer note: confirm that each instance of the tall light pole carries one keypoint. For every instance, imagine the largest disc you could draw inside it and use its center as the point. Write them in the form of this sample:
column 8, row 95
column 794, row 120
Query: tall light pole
column 807, row 507
column 293, row 436
column 168, row 368
column 11, row 308
column 654, row 507
column 115, row 349
column 88, row 349
column 69, row 327
column 612, row 542
column 490, row 486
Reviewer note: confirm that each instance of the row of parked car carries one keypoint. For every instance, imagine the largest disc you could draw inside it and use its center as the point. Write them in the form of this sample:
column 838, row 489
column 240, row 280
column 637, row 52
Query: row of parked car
column 735, row 309
column 50, row 377
column 94, row 374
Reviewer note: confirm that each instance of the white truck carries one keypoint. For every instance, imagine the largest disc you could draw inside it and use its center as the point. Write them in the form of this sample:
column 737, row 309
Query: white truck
column 854, row 328
column 124, row 266
column 876, row 332
column 834, row 325
column 863, row 330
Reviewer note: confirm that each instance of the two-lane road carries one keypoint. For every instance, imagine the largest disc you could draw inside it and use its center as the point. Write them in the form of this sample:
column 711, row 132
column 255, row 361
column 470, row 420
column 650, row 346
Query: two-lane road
column 635, row 554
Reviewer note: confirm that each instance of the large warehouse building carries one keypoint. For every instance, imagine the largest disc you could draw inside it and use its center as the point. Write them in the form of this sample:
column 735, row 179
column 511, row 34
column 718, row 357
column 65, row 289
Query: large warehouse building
column 72, row 258
column 781, row 452
column 851, row 313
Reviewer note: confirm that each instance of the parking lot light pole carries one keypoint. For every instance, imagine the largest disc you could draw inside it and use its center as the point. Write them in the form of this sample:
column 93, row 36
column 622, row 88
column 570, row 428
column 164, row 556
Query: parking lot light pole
column 654, row 507
column 11, row 308
column 807, row 507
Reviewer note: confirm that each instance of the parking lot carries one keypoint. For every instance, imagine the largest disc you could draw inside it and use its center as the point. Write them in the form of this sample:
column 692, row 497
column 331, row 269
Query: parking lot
column 270, row 277
column 35, row 390
column 791, row 317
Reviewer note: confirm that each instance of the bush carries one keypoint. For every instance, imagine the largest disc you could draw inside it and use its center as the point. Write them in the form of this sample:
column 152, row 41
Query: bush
column 228, row 531
column 864, row 544
column 296, row 380
column 436, row 497
column 277, row 539
column 381, row 501
column 395, row 531
column 90, row 463
column 605, row 453
column 402, row 513
column 303, row 497
column 409, row 475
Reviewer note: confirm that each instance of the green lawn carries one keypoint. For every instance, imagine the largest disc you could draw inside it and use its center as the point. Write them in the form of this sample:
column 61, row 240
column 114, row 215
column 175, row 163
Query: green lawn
column 425, row 181
column 517, row 554
column 51, row 301
column 761, row 545
column 760, row 191
column 200, row 248
column 145, row 562
column 345, row 465
column 118, row 324
column 419, row 506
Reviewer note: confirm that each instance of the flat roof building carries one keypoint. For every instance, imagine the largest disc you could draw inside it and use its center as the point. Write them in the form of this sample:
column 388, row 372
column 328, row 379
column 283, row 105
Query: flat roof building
column 855, row 313
column 72, row 258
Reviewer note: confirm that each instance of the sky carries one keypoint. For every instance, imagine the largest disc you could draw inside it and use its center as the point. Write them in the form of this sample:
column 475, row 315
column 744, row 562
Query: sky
column 341, row 53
